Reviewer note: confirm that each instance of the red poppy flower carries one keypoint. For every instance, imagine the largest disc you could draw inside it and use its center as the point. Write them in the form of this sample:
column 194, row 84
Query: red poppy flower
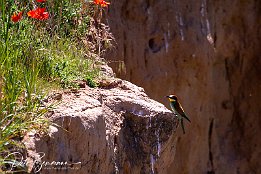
column 97, row 1
column 101, row 2
column 39, row 14
column 40, row 1
column 104, row 4
column 16, row 17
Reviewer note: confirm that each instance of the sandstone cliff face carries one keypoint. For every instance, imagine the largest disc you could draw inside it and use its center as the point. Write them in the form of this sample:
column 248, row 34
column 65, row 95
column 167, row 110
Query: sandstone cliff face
column 114, row 129
column 208, row 53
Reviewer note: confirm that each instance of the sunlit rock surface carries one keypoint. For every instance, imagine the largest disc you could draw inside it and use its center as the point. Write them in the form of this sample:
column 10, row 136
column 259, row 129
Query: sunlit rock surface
column 114, row 129
column 208, row 53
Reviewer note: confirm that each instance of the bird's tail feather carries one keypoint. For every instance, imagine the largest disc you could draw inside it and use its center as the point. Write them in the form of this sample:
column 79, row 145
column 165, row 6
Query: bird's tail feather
column 182, row 125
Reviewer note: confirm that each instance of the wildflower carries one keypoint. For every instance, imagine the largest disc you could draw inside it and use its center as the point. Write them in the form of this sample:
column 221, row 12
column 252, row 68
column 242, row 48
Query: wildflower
column 16, row 17
column 39, row 14
column 41, row 1
column 101, row 2
column 104, row 4
column 97, row 1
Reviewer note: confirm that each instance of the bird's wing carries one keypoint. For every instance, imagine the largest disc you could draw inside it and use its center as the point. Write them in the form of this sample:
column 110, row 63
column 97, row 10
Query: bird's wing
column 181, row 111
column 186, row 117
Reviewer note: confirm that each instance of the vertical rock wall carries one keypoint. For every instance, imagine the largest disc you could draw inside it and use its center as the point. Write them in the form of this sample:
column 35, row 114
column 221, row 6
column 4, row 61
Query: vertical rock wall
column 208, row 53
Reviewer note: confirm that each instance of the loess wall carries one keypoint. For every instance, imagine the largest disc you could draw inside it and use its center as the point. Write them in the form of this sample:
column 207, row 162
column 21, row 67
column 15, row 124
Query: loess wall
column 208, row 54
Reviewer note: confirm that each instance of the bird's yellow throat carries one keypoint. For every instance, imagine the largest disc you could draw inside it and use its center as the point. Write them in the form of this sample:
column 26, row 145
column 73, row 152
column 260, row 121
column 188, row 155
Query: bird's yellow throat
column 171, row 100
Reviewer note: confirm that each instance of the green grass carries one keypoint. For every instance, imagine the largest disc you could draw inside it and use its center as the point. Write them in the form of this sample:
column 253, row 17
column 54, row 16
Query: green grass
column 65, row 62
column 37, row 57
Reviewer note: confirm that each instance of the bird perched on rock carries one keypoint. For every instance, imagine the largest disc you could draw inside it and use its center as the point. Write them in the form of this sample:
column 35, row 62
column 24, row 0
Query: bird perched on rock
column 178, row 110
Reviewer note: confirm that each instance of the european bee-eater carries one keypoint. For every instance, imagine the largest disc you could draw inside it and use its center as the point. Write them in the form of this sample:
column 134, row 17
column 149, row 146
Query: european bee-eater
column 178, row 110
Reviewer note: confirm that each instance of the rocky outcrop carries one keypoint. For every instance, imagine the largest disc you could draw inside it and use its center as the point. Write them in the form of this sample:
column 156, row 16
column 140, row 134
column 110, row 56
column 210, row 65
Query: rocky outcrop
column 113, row 129
column 207, row 53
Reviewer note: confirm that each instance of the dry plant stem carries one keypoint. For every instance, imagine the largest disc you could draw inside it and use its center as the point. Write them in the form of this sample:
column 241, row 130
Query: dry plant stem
column 97, row 18
column 99, row 32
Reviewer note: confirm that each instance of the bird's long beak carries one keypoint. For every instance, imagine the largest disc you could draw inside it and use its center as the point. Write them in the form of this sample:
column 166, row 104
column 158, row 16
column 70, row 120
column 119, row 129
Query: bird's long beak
column 167, row 96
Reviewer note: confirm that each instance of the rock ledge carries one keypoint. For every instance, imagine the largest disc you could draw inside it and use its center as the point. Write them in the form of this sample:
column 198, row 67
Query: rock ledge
column 113, row 129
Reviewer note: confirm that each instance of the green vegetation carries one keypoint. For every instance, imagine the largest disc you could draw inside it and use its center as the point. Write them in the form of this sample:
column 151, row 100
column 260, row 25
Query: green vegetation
column 40, row 50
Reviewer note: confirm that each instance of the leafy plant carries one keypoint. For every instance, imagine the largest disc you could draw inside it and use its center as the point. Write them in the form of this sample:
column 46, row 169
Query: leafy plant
column 41, row 42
